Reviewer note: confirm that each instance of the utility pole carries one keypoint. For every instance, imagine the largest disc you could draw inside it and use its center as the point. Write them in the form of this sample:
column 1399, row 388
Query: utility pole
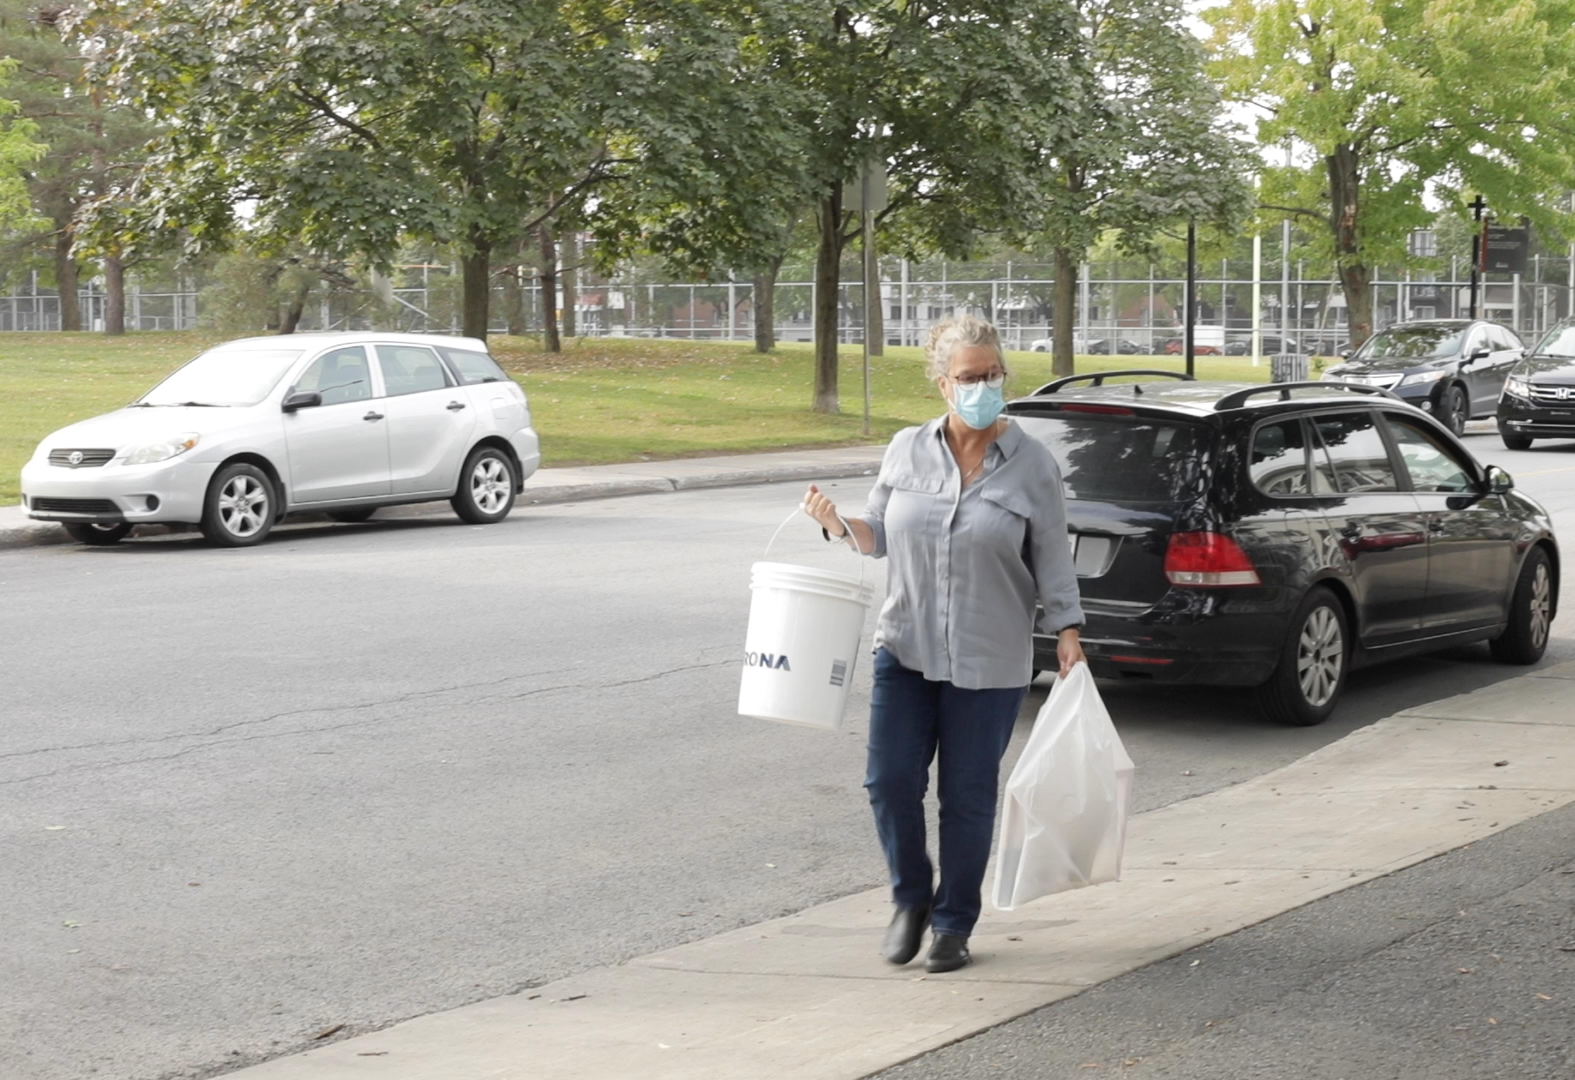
column 1191, row 295
column 1477, row 206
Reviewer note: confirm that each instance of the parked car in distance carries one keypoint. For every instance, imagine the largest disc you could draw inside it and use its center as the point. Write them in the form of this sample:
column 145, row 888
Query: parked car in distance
column 1279, row 536
column 1452, row 368
column 1538, row 401
column 254, row 429
column 1178, row 347
column 1268, row 345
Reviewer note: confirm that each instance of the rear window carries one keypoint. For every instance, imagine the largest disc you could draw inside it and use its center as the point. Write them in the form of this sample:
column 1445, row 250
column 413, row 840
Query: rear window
column 473, row 367
column 1121, row 459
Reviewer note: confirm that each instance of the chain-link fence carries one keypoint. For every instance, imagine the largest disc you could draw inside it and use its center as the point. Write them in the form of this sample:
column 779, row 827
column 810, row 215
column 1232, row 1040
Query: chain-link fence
column 1118, row 309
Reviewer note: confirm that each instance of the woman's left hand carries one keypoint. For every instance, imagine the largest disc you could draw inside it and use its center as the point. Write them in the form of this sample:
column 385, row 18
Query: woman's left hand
column 1069, row 650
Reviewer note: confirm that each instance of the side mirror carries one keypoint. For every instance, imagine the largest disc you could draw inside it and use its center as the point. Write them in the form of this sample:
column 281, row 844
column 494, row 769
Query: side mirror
column 1499, row 482
column 1345, row 354
column 302, row 399
column 1479, row 354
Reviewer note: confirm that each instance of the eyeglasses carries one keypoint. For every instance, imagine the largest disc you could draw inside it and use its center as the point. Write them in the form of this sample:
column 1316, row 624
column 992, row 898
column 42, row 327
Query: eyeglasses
column 994, row 382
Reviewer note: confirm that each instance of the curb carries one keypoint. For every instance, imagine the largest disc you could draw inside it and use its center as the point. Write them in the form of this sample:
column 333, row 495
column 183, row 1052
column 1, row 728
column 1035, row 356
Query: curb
column 41, row 533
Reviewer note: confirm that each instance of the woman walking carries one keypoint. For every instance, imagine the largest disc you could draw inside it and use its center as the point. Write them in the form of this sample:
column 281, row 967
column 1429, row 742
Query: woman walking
column 969, row 510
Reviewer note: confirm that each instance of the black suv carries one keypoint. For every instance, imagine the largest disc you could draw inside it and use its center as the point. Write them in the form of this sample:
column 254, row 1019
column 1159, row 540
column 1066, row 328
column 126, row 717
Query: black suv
column 1279, row 535
column 1539, row 395
column 1452, row 368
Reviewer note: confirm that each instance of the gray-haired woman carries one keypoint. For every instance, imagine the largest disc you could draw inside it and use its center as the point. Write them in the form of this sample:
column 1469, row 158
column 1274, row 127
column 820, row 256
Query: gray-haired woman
column 969, row 510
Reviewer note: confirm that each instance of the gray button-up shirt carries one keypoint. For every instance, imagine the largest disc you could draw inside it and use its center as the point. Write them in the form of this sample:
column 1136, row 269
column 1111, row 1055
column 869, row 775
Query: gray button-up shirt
column 967, row 563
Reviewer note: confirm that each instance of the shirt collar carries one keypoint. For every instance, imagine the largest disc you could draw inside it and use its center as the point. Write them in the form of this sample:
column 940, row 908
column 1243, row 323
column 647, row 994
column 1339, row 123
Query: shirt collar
column 1009, row 440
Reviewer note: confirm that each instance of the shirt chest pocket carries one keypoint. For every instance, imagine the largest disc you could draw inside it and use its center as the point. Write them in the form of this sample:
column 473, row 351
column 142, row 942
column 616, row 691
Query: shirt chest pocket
column 915, row 508
column 1005, row 516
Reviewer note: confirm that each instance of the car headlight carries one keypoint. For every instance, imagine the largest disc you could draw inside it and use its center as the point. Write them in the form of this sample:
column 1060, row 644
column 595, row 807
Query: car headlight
column 1517, row 387
column 149, row 453
column 1416, row 378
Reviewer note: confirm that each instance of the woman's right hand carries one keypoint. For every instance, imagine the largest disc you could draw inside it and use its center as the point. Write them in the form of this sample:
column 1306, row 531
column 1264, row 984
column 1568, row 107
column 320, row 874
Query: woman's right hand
column 823, row 510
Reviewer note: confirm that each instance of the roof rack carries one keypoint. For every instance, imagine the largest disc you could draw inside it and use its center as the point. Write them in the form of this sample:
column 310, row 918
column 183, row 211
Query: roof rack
column 1097, row 378
column 1238, row 398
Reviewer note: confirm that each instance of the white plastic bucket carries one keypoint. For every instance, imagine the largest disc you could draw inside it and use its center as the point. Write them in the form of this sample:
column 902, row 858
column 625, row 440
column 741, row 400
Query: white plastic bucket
column 805, row 626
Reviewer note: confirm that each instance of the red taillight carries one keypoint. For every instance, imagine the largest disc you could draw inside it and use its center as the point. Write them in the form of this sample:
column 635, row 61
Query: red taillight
column 1207, row 559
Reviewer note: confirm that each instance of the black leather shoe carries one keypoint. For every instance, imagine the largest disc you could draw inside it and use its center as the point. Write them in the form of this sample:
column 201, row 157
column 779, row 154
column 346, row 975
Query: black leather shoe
column 902, row 936
column 948, row 952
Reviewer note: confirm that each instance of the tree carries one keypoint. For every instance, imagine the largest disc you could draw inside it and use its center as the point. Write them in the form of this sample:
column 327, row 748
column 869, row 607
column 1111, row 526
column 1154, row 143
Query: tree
column 469, row 122
column 1398, row 101
column 1148, row 149
column 88, row 144
column 18, row 150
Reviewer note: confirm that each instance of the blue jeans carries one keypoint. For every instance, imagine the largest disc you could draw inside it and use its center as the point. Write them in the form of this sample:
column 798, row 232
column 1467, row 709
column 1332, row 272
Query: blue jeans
column 911, row 718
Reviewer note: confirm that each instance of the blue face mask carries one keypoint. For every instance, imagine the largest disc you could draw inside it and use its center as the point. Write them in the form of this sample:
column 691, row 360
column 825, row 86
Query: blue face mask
column 978, row 405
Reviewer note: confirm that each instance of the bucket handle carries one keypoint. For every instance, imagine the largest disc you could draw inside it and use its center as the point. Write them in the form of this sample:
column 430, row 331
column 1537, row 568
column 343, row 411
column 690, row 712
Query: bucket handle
column 846, row 528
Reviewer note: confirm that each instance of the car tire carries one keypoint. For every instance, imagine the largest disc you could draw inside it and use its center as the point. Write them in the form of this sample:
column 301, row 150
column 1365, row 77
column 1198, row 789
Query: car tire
column 1515, row 442
column 1314, row 661
column 353, row 517
column 91, row 532
column 239, row 510
column 1525, row 639
column 1454, row 410
column 486, row 487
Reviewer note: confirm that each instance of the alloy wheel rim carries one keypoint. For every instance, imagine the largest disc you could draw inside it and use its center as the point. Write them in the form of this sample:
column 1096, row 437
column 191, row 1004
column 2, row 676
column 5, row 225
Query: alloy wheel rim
column 243, row 506
column 1320, row 657
column 1541, row 605
column 489, row 485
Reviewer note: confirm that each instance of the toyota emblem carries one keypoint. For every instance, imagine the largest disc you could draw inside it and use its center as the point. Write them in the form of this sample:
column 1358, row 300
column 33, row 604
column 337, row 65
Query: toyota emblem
column 75, row 457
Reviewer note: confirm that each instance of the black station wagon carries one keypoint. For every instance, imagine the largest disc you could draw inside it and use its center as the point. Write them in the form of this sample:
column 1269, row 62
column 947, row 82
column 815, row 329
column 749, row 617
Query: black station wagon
column 1278, row 536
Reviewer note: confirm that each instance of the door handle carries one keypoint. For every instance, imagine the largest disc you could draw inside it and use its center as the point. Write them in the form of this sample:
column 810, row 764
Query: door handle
column 1436, row 526
column 455, row 406
column 373, row 416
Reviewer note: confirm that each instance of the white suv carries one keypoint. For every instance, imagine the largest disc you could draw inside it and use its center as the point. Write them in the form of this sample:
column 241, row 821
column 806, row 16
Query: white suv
column 256, row 428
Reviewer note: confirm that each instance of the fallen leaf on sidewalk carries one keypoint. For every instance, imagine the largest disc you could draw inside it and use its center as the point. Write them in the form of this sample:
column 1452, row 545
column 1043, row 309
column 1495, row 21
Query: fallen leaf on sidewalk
column 1009, row 937
column 323, row 1034
column 1089, row 1065
column 574, row 997
column 1562, row 948
column 1493, row 1020
column 1463, row 971
column 57, row 828
column 1500, row 764
column 1129, row 1062
column 376, row 1053
column 1540, row 997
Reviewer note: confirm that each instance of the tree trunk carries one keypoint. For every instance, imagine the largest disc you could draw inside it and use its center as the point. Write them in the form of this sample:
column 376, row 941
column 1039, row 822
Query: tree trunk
column 514, row 301
column 1345, row 192
column 1063, row 313
column 570, row 253
column 875, row 331
column 828, row 264
column 763, row 303
column 66, row 280
column 549, row 292
column 295, row 308
column 114, row 296
column 476, row 284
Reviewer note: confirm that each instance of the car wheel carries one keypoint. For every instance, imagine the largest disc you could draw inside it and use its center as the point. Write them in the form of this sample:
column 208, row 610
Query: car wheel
column 91, row 532
column 486, row 487
column 1306, row 685
column 1530, row 613
column 239, row 510
column 1515, row 442
column 1454, row 411
column 352, row 517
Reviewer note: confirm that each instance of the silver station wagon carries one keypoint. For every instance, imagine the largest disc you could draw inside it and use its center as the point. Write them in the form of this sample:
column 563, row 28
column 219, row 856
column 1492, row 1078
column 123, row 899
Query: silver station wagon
column 253, row 429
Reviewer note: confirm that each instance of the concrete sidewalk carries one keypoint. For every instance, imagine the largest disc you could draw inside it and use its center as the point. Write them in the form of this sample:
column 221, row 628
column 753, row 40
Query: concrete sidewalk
column 806, row 997
column 574, row 485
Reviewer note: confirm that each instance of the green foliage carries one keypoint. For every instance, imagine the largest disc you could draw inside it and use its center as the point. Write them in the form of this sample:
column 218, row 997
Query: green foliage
column 1398, row 100
column 19, row 148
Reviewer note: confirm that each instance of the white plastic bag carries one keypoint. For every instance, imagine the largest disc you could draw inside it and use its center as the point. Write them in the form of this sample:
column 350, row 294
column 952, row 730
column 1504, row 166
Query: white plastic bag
column 1065, row 816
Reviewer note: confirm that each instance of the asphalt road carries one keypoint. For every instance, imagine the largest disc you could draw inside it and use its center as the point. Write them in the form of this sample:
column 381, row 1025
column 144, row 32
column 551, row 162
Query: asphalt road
column 363, row 773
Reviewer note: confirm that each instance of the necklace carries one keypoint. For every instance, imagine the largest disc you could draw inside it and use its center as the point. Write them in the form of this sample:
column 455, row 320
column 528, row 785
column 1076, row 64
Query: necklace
column 973, row 472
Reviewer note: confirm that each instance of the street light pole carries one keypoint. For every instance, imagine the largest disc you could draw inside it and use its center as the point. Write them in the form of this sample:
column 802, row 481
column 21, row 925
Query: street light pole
column 1191, row 295
column 1477, row 206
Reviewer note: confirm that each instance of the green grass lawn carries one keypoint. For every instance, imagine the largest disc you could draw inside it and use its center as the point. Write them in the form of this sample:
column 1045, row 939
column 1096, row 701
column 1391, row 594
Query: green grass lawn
column 601, row 400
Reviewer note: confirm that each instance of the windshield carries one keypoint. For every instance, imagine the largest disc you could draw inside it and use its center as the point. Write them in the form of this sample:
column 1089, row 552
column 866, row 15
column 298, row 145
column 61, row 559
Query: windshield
column 1413, row 343
column 1120, row 459
column 224, row 376
column 1560, row 341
